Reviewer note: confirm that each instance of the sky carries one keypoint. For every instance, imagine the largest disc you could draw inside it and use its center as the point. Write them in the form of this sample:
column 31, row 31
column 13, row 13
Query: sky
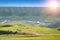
column 22, row 2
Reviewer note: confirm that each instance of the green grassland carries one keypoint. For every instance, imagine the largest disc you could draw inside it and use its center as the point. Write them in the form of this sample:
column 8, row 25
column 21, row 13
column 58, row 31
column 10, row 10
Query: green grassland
column 28, row 29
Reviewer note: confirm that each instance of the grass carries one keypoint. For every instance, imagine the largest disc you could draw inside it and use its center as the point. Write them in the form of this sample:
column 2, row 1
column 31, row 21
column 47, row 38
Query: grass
column 33, row 38
column 30, row 30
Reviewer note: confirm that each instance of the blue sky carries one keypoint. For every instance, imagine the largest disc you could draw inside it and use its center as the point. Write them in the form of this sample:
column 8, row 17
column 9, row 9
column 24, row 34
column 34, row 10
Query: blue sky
column 22, row 2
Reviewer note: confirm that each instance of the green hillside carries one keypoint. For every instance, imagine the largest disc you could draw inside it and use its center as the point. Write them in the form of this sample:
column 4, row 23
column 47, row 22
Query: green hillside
column 31, row 29
column 28, row 30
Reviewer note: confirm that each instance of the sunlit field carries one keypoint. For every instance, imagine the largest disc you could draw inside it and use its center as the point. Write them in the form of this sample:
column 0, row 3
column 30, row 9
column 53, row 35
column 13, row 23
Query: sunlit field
column 27, row 30
column 34, row 38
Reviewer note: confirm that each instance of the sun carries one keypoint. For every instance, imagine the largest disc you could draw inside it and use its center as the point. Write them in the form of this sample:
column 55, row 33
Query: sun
column 52, row 7
column 53, row 4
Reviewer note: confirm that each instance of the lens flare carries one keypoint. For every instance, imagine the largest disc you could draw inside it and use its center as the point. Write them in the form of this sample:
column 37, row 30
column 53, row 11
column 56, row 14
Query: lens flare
column 52, row 7
column 53, row 4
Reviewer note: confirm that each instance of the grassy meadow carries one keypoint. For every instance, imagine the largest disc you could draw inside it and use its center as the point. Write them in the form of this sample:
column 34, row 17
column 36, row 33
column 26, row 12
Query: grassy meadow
column 27, row 30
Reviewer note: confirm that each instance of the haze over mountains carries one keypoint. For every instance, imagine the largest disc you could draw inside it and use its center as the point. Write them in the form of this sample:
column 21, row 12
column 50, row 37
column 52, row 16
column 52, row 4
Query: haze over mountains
column 23, row 11
column 20, row 11
column 28, row 13
column 33, row 12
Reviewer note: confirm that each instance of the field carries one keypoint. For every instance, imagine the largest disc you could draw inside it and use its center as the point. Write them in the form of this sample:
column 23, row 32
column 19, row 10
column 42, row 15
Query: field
column 9, row 32
column 34, row 38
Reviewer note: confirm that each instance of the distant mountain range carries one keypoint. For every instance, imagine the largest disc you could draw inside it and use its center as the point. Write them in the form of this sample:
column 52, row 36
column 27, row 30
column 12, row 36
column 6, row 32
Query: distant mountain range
column 32, row 13
column 20, row 11
column 28, row 13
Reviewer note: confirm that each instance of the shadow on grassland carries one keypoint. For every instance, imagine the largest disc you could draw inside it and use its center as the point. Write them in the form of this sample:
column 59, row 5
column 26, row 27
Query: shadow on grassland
column 6, row 25
column 6, row 32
